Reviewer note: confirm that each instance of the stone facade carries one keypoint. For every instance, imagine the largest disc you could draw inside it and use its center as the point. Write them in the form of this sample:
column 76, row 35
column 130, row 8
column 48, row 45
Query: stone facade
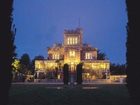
column 72, row 51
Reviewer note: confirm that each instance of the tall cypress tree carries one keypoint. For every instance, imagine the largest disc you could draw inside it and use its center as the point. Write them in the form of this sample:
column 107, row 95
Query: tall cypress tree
column 7, row 48
column 25, row 63
column 79, row 74
column 66, row 74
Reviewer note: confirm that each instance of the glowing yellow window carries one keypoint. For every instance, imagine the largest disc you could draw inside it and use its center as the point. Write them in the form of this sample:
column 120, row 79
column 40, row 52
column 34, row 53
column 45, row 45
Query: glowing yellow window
column 73, row 41
column 88, row 56
column 76, row 41
column 72, row 53
column 70, row 41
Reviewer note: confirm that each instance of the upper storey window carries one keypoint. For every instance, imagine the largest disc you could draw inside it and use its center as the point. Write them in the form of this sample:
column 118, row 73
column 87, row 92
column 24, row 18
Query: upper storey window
column 72, row 40
column 76, row 40
column 56, row 56
column 88, row 55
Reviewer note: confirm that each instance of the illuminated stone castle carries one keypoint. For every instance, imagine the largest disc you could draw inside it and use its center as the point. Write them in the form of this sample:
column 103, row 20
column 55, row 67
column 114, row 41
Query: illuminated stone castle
column 72, row 51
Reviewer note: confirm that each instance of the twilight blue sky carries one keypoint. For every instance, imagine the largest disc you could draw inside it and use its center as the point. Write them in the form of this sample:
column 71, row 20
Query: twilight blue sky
column 40, row 23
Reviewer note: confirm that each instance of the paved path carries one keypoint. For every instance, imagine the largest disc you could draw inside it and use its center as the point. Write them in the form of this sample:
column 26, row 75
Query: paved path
column 61, row 83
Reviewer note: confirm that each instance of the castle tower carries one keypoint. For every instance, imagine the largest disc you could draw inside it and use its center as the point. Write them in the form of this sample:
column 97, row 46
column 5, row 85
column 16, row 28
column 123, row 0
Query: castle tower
column 72, row 46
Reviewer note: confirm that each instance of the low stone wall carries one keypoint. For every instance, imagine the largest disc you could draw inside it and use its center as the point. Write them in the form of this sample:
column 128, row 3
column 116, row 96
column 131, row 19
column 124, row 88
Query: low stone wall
column 118, row 78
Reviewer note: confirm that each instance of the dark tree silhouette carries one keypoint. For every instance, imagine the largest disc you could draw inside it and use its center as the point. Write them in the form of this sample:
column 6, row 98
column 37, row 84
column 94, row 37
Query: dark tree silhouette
column 79, row 73
column 117, row 69
column 66, row 74
column 133, row 52
column 39, row 57
column 25, row 63
column 101, row 55
column 7, row 48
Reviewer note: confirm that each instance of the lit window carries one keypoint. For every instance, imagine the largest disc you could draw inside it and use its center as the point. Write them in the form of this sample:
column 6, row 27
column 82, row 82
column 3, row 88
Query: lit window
column 38, row 66
column 88, row 56
column 72, row 53
column 70, row 40
column 56, row 56
column 53, row 57
column 76, row 41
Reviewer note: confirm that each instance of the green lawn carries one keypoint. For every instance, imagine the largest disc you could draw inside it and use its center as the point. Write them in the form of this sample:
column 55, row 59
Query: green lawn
column 44, row 95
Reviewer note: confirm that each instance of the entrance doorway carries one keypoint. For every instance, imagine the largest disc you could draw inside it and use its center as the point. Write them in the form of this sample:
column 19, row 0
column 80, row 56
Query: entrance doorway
column 72, row 72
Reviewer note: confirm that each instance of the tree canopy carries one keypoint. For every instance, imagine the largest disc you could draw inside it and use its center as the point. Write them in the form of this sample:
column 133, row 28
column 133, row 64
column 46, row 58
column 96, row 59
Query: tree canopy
column 16, row 65
column 101, row 55
column 39, row 57
column 25, row 59
column 25, row 63
column 117, row 69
